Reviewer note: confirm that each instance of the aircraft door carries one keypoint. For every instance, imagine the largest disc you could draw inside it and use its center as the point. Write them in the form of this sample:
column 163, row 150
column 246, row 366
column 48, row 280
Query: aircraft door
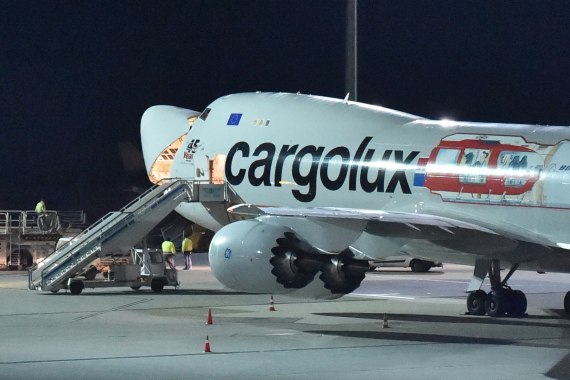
column 557, row 177
column 191, row 163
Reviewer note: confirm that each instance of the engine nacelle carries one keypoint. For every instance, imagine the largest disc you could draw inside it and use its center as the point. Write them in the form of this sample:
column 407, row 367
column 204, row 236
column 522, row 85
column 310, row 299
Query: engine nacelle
column 257, row 257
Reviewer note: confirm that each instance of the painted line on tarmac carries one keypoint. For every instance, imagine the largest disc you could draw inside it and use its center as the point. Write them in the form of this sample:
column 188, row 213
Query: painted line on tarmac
column 195, row 268
column 423, row 279
column 116, row 308
column 282, row 334
column 390, row 295
column 450, row 281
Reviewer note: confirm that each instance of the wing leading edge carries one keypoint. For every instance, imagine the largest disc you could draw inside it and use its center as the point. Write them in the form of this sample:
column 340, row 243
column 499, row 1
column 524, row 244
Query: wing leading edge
column 449, row 235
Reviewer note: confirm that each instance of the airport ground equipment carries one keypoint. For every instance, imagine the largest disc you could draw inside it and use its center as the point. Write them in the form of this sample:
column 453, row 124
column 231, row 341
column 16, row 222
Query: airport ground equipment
column 23, row 242
column 115, row 234
column 144, row 267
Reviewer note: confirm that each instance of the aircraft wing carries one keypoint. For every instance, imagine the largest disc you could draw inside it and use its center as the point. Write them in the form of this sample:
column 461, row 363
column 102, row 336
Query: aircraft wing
column 457, row 235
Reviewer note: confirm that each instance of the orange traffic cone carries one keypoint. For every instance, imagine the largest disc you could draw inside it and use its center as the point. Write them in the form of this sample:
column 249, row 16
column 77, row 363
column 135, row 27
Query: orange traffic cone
column 385, row 323
column 207, row 345
column 271, row 304
column 209, row 320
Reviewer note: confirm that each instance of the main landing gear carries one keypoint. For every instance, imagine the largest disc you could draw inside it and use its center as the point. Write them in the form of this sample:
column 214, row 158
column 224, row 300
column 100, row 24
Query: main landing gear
column 501, row 299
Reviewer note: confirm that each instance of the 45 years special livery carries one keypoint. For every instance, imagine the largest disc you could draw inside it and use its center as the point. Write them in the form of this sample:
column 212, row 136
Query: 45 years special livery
column 316, row 187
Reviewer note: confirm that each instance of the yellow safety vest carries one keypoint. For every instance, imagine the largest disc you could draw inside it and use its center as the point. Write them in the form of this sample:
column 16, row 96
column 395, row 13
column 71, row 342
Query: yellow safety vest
column 41, row 207
column 186, row 245
column 168, row 247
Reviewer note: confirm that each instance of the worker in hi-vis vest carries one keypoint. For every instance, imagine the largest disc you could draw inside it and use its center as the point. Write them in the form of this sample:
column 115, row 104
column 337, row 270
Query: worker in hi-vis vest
column 187, row 249
column 169, row 252
column 41, row 207
column 41, row 211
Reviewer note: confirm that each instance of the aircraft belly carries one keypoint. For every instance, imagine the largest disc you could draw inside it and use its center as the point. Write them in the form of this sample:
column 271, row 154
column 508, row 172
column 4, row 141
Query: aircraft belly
column 198, row 213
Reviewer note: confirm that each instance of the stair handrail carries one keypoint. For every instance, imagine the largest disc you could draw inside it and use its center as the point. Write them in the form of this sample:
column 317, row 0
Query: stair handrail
column 96, row 223
column 83, row 240
column 110, row 224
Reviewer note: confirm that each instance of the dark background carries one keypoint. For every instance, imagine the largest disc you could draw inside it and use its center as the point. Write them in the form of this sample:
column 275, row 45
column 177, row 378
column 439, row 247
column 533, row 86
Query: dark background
column 76, row 76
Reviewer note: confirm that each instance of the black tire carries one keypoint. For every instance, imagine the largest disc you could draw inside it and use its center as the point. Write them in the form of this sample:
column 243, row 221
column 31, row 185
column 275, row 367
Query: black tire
column 496, row 304
column 419, row 266
column 137, row 287
column 567, row 304
column 517, row 304
column 91, row 273
column 157, row 284
column 476, row 302
column 414, row 265
column 26, row 259
column 76, row 287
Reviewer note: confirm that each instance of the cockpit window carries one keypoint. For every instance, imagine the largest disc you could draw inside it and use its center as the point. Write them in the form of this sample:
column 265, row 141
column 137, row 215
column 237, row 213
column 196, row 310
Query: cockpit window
column 191, row 121
column 205, row 113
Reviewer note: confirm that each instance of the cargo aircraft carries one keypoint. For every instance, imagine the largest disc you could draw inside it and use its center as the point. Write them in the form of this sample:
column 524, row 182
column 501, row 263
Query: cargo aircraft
column 317, row 187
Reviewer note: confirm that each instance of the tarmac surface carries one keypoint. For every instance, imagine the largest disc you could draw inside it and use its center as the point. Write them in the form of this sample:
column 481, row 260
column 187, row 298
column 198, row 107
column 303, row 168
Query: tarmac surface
column 119, row 333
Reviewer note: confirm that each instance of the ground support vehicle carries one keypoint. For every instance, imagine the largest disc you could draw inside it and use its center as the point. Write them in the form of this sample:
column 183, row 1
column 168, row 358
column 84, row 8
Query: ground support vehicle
column 414, row 263
column 144, row 268
column 25, row 241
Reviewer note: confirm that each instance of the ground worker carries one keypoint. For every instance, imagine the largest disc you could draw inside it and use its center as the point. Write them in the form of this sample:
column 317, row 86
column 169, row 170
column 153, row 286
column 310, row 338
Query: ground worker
column 41, row 211
column 187, row 249
column 169, row 252
column 41, row 207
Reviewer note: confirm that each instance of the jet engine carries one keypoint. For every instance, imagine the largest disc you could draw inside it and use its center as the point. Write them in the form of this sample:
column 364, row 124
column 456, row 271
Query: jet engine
column 259, row 257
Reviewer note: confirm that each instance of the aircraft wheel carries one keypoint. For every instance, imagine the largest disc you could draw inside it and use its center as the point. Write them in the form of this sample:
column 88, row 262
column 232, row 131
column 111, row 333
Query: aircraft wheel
column 495, row 304
column 419, row 266
column 91, row 273
column 76, row 287
column 136, row 287
column 518, row 304
column 476, row 302
column 157, row 284
column 567, row 303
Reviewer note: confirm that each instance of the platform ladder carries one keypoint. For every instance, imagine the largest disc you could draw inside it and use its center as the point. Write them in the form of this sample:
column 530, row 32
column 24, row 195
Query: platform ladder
column 112, row 235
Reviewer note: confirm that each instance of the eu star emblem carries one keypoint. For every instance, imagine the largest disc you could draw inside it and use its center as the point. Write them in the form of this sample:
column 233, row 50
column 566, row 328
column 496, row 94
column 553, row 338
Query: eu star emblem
column 234, row 119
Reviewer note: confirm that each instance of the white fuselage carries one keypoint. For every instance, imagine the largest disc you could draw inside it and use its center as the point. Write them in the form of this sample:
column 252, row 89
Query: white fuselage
column 295, row 150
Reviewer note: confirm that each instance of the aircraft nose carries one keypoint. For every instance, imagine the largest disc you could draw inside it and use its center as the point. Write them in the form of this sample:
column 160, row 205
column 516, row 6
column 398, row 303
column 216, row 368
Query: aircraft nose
column 162, row 130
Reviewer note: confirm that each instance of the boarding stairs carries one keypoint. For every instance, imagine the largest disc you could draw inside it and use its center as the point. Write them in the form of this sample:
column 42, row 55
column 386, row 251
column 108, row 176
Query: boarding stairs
column 115, row 234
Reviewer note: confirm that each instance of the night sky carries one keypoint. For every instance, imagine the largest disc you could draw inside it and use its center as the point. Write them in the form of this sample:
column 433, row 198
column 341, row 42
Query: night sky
column 76, row 76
